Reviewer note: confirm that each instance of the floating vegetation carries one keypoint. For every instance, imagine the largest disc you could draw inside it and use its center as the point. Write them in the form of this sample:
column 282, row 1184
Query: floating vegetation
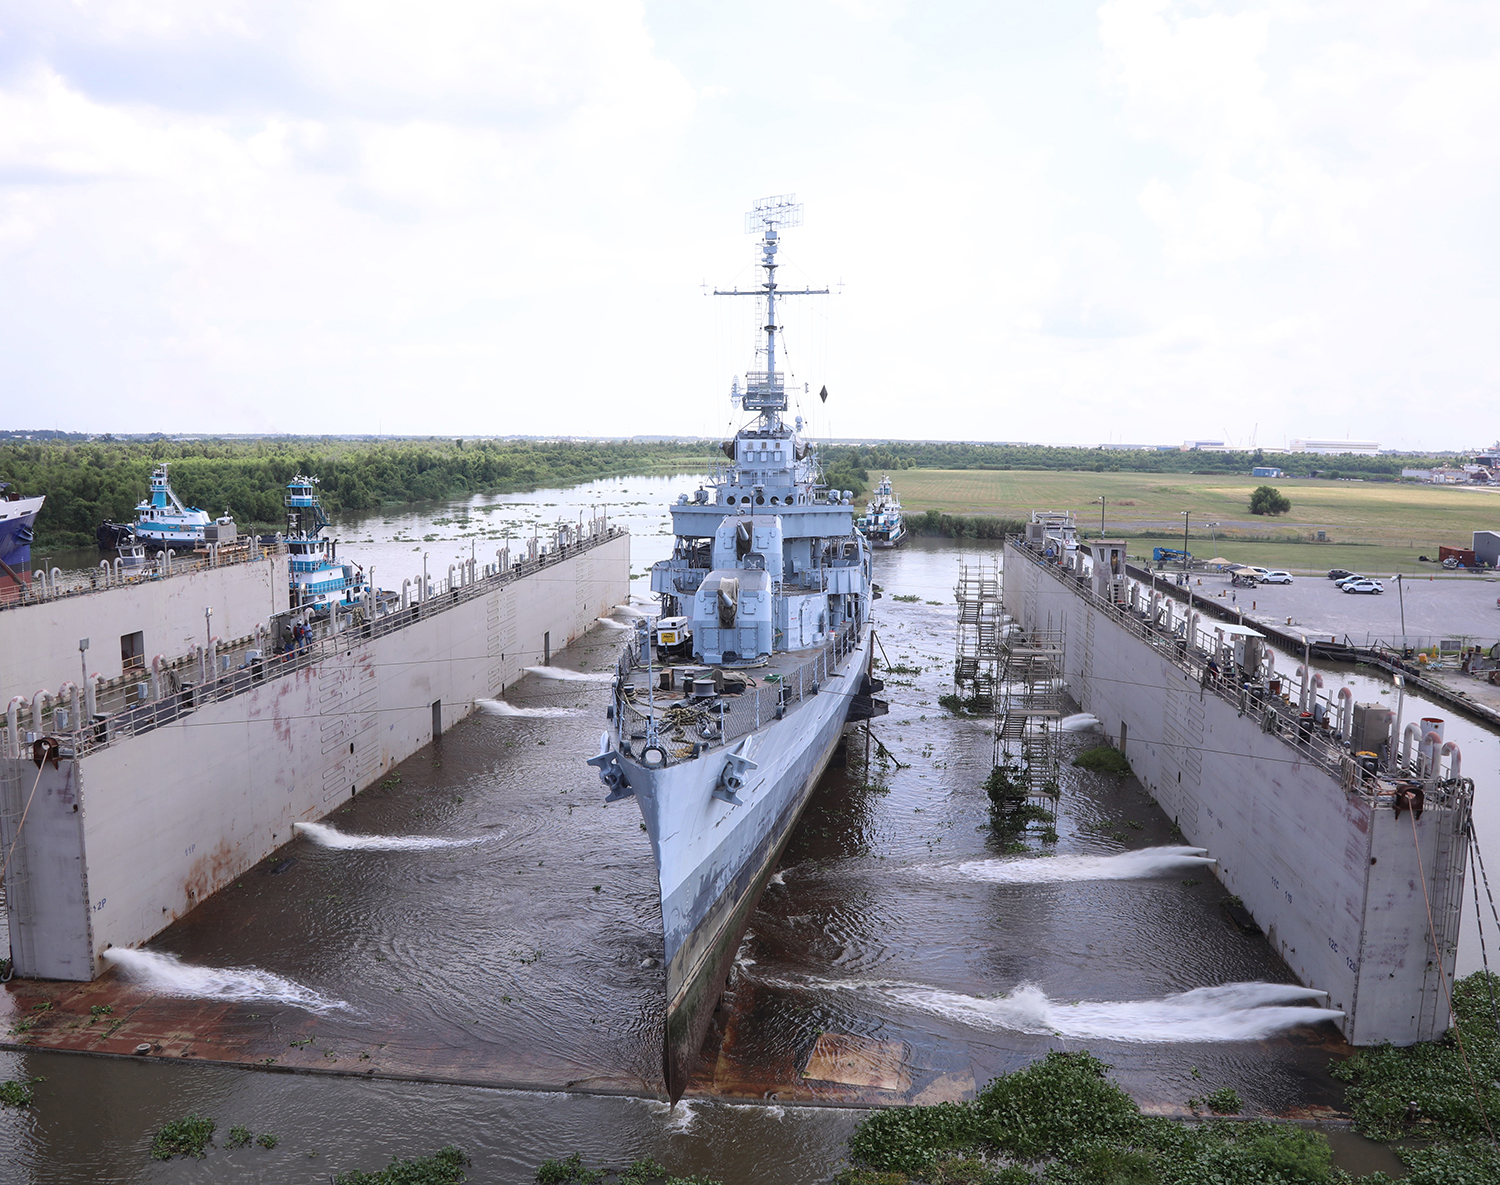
column 571, row 1171
column 1062, row 1120
column 910, row 598
column 1103, row 759
column 18, row 1092
column 1224, row 1101
column 189, row 1136
column 239, row 1137
column 444, row 1167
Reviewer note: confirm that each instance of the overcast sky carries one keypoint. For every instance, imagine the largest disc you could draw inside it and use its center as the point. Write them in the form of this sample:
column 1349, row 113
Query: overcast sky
column 1130, row 222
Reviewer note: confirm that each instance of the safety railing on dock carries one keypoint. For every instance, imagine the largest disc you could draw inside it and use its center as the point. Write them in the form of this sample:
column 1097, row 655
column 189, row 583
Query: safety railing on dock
column 56, row 584
column 1274, row 715
column 177, row 688
column 680, row 729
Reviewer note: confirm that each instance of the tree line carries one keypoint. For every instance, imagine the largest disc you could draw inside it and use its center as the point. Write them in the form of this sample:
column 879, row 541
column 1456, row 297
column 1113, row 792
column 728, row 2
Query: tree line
column 896, row 455
column 89, row 483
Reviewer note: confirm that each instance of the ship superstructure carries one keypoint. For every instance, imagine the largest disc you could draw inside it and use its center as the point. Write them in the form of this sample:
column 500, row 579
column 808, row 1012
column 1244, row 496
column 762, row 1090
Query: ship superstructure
column 881, row 522
column 729, row 703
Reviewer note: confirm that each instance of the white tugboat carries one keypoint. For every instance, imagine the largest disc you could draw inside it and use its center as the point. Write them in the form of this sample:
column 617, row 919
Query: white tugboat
column 881, row 522
column 162, row 521
column 729, row 704
column 318, row 580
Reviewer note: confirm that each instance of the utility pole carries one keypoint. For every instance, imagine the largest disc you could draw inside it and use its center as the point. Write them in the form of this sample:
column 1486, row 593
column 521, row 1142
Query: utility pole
column 1185, row 514
column 1100, row 500
column 1401, row 596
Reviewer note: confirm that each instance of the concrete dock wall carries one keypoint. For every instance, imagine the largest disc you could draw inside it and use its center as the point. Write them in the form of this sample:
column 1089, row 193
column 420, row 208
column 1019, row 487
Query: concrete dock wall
column 1333, row 879
column 125, row 838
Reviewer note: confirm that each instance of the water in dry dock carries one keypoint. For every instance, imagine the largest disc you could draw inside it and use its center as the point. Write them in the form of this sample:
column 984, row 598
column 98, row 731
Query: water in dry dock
column 495, row 959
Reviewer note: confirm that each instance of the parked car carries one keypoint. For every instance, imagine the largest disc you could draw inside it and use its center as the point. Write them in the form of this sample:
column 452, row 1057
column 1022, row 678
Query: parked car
column 1363, row 586
column 1340, row 574
column 1351, row 576
column 1276, row 578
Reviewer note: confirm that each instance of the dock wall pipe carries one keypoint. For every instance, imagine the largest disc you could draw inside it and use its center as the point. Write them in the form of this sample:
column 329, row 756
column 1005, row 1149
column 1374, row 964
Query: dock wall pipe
column 1407, row 734
column 68, row 693
column 1428, row 756
column 13, row 725
column 104, row 564
column 1346, row 712
column 39, row 710
column 1302, row 674
column 1450, row 748
column 91, row 696
column 406, row 594
column 451, row 585
column 156, row 664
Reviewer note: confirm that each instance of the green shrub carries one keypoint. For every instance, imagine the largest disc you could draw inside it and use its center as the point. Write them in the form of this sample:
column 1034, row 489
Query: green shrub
column 1103, row 759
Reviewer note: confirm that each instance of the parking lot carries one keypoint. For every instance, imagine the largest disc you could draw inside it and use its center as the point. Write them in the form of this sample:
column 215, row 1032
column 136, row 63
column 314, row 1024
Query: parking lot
column 1438, row 606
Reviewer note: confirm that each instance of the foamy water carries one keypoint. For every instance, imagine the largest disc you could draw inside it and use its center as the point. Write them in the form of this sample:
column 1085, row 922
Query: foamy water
column 332, row 837
column 498, row 707
column 168, row 976
column 571, row 676
column 617, row 625
column 1041, row 870
column 1079, row 722
column 1231, row 1012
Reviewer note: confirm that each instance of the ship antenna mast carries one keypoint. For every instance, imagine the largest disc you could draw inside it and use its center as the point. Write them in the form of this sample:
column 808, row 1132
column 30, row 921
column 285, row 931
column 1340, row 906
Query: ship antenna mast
column 765, row 390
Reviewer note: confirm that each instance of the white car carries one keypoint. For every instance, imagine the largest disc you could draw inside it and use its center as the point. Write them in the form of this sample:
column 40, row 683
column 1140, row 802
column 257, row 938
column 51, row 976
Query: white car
column 1276, row 578
column 1362, row 586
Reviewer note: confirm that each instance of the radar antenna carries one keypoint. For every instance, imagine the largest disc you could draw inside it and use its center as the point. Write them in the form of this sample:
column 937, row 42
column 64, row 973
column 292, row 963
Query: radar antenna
column 765, row 390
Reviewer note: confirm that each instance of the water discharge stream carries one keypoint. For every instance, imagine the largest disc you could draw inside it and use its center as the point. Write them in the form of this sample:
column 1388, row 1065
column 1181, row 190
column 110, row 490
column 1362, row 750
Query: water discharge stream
column 1041, row 870
column 571, row 676
column 168, row 975
column 330, row 837
column 499, row 707
column 1231, row 1012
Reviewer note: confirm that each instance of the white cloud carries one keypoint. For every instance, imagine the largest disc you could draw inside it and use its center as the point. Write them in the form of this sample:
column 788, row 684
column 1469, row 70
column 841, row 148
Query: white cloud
column 1056, row 222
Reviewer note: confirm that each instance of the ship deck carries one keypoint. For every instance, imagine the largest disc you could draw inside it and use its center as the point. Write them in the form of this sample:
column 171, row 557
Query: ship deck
column 694, row 705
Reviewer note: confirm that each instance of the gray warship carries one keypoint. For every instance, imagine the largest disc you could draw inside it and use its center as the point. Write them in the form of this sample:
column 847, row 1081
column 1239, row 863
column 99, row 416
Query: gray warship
column 730, row 701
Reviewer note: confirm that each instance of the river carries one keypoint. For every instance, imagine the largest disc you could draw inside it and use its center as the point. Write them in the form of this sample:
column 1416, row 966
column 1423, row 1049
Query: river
column 506, row 931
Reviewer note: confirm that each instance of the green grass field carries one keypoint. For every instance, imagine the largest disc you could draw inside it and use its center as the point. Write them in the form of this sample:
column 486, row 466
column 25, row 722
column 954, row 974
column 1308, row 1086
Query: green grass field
column 1375, row 526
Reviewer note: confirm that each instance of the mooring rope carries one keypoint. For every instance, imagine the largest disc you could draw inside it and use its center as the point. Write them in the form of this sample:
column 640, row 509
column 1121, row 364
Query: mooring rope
column 1443, row 976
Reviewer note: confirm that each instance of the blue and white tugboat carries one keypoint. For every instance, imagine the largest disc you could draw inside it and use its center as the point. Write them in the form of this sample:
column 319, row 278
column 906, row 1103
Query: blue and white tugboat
column 881, row 522
column 730, row 702
column 318, row 580
column 162, row 521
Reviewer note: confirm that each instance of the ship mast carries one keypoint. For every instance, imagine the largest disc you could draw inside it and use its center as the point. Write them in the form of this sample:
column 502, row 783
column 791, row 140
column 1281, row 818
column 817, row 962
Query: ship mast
column 765, row 390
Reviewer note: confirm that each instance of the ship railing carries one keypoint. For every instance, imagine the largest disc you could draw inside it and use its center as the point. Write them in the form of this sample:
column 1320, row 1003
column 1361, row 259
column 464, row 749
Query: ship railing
column 683, row 728
column 1280, row 718
column 188, row 682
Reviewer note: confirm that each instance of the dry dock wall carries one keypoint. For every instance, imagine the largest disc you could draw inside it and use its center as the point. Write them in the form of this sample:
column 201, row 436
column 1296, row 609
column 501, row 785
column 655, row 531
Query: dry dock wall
column 1334, row 881
column 124, row 839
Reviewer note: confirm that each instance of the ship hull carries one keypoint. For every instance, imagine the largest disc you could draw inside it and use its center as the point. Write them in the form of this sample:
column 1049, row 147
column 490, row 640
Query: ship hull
column 714, row 858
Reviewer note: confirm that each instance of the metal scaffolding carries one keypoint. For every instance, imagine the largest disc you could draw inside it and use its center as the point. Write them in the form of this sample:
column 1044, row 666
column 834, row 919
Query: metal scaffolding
column 1029, row 709
column 976, row 665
